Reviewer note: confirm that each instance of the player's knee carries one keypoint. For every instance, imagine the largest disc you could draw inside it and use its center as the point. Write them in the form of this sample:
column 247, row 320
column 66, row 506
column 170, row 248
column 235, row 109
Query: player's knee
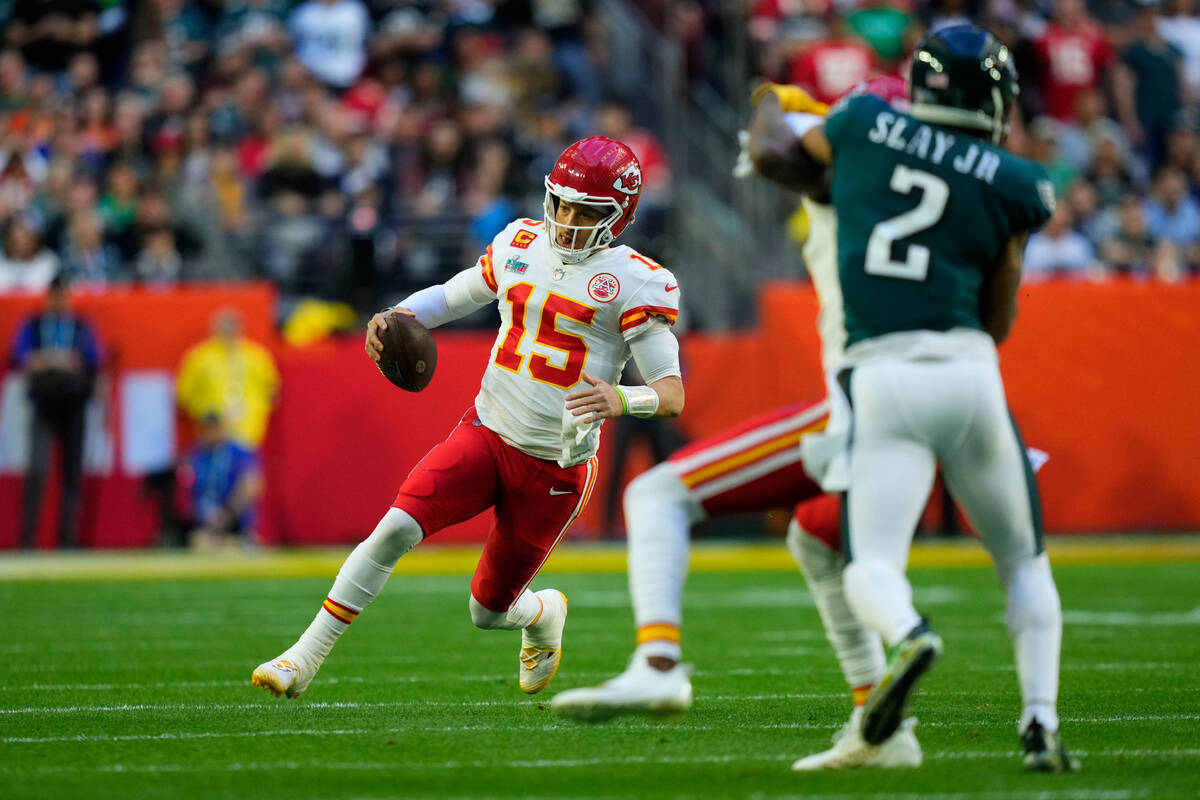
column 813, row 556
column 1032, row 597
column 654, row 488
column 395, row 535
column 484, row 617
column 861, row 575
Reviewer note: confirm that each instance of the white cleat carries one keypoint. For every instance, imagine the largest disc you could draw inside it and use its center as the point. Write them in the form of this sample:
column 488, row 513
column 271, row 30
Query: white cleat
column 541, row 643
column 640, row 689
column 850, row 750
column 288, row 674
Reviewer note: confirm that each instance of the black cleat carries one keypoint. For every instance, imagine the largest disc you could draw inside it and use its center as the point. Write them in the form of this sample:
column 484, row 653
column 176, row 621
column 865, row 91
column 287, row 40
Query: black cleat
column 884, row 709
column 1045, row 752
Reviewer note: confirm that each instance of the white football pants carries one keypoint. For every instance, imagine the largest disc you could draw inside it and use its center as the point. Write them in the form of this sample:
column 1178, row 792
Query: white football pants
column 908, row 416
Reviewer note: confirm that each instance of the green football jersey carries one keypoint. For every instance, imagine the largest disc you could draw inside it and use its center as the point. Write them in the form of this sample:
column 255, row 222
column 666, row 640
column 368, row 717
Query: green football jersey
column 922, row 213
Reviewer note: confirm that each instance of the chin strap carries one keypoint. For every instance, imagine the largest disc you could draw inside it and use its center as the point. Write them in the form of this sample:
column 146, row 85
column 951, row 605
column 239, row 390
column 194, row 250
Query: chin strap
column 638, row 401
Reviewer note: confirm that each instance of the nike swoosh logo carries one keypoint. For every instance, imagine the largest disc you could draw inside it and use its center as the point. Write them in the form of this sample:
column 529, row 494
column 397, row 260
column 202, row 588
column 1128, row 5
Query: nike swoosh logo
column 557, row 492
column 672, row 288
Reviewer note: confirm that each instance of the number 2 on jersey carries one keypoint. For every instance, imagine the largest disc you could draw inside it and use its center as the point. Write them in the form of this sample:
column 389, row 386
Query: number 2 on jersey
column 934, row 195
column 509, row 353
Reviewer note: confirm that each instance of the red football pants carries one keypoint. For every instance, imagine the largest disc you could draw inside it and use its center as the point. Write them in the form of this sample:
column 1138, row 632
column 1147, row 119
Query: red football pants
column 534, row 502
column 756, row 466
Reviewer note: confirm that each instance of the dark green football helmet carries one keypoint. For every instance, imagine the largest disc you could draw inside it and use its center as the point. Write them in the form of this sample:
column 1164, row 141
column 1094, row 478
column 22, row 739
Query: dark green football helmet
column 963, row 77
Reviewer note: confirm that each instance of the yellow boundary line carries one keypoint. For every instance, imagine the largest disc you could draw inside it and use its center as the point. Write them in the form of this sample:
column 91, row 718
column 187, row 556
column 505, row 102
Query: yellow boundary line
column 586, row 558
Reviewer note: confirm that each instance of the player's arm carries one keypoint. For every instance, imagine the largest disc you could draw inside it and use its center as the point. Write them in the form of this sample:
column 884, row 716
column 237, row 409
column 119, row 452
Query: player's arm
column 656, row 353
column 998, row 300
column 466, row 292
column 797, row 162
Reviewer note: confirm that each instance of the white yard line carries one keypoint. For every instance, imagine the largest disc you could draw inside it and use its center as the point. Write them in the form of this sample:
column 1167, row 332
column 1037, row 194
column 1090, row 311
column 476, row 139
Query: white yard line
column 623, row 759
column 318, row 731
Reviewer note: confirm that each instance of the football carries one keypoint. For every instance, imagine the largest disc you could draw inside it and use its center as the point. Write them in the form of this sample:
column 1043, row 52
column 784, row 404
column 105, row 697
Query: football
column 409, row 353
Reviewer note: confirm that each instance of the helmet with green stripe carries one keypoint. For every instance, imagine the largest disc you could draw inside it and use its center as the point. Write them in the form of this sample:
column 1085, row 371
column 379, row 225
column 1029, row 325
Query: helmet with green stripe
column 963, row 77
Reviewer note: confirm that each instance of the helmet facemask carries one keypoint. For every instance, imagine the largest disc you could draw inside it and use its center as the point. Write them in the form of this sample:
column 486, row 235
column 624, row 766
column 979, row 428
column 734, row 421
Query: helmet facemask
column 594, row 237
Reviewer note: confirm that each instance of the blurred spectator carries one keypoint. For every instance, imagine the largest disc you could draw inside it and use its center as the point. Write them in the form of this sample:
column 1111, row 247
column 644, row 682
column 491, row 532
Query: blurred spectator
column 883, row 25
column 17, row 186
column 830, row 67
column 49, row 32
column 13, row 86
column 1131, row 249
column 26, row 265
column 1057, row 250
column 1181, row 27
column 1111, row 171
column 331, row 39
column 1174, row 214
column 86, row 256
column 1150, row 97
column 1075, row 136
column 224, row 484
column 159, row 262
column 1084, row 203
column 1045, row 134
column 59, row 355
column 1076, row 52
column 118, row 206
column 232, row 376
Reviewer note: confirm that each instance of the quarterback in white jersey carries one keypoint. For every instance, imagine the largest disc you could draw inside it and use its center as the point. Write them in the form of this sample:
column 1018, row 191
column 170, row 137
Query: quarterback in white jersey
column 573, row 310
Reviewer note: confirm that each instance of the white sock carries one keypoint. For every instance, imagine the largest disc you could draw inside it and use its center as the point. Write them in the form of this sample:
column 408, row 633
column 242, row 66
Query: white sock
column 523, row 612
column 360, row 579
column 880, row 596
column 1034, row 620
column 659, row 648
column 658, row 517
column 859, row 650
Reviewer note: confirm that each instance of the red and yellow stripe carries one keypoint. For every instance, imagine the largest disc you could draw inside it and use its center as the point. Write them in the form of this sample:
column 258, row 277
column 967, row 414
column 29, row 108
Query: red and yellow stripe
column 489, row 273
column 636, row 316
column 585, row 495
column 658, row 632
column 752, row 454
column 859, row 693
column 340, row 612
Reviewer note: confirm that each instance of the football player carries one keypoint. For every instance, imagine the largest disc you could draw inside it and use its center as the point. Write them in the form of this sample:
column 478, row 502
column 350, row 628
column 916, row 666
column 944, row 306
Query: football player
column 573, row 309
column 755, row 466
column 932, row 221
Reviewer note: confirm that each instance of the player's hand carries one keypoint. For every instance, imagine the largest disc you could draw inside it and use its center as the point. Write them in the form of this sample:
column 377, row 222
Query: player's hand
column 598, row 401
column 791, row 99
column 374, row 346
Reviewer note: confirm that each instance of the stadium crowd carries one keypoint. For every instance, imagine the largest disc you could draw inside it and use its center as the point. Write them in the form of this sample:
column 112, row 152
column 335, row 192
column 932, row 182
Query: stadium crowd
column 356, row 149
column 1109, row 101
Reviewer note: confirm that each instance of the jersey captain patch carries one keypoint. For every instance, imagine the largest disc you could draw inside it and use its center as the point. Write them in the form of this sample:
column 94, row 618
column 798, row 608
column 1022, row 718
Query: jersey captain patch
column 523, row 239
column 604, row 287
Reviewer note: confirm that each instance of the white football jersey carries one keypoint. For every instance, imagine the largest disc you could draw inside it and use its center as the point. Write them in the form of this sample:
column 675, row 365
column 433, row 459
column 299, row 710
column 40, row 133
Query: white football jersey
column 557, row 320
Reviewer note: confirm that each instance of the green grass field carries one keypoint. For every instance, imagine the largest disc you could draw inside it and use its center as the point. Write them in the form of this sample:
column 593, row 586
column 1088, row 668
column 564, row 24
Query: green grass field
column 141, row 690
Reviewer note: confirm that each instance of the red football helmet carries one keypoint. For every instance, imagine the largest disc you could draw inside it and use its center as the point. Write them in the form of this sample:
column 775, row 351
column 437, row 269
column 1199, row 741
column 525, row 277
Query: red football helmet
column 596, row 171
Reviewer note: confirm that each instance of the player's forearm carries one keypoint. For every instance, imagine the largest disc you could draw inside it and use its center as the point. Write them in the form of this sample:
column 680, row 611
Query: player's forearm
column 670, row 396
column 778, row 154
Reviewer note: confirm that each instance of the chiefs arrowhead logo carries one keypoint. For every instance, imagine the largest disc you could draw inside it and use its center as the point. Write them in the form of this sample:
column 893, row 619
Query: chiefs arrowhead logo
column 629, row 181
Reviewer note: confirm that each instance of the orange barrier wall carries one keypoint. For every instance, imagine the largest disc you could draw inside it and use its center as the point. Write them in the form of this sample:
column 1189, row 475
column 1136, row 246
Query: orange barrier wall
column 1103, row 377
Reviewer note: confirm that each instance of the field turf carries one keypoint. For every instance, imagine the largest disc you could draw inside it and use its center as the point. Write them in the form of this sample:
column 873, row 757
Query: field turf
column 140, row 689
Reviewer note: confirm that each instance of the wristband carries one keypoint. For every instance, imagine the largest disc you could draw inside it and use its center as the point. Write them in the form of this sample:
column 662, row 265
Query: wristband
column 638, row 401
